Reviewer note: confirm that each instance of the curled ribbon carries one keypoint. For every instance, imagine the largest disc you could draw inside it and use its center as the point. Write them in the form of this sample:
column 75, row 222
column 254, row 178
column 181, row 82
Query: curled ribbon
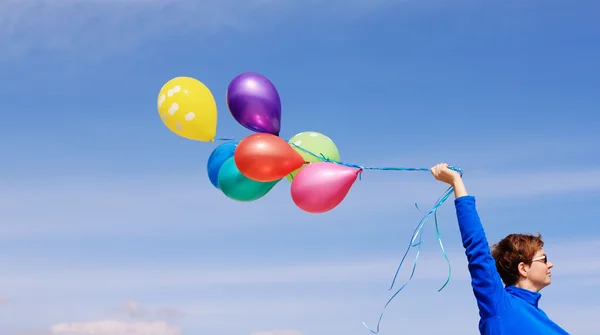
column 416, row 234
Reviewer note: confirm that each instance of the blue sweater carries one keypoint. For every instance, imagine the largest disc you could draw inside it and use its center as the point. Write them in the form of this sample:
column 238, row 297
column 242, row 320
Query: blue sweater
column 502, row 311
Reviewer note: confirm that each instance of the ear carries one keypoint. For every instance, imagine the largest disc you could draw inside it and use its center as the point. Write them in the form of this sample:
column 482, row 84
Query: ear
column 523, row 268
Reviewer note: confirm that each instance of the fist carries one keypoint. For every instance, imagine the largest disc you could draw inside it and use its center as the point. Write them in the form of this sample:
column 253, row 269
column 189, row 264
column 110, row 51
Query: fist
column 444, row 174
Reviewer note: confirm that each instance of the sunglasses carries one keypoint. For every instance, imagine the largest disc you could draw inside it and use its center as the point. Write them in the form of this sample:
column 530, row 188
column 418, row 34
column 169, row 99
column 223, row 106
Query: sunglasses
column 543, row 259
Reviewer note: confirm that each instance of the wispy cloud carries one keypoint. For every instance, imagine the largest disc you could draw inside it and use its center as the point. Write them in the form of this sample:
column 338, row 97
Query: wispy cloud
column 94, row 28
column 492, row 185
column 569, row 256
column 124, row 207
column 269, row 293
column 153, row 323
column 197, row 275
column 88, row 27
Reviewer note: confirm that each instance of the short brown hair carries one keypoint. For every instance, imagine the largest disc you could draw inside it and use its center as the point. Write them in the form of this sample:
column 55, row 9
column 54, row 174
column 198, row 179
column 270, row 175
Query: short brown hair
column 512, row 250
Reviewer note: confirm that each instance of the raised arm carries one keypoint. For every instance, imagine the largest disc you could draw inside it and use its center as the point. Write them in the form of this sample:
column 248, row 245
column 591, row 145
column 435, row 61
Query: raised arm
column 485, row 280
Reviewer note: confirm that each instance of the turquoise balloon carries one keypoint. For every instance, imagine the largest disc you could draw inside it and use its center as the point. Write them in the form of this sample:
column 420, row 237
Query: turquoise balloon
column 238, row 187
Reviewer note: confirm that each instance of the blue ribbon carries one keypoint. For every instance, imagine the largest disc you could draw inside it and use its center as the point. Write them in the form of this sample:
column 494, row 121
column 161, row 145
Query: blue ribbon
column 416, row 234
column 412, row 244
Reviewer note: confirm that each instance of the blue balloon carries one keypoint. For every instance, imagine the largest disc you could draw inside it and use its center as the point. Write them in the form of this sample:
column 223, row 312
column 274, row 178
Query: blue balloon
column 221, row 153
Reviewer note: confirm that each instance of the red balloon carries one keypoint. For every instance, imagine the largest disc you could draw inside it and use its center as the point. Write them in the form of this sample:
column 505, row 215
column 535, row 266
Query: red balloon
column 265, row 157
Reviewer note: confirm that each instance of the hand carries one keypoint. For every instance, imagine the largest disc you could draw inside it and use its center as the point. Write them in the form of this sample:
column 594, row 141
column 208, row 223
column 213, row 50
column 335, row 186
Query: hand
column 442, row 173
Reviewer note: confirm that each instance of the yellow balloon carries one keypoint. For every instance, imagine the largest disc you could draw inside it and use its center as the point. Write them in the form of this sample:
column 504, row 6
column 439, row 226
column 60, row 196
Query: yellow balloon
column 188, row 108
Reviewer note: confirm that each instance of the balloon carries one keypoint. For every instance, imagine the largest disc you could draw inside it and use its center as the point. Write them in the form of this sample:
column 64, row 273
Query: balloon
column 236, row 186
column 254, row 103
column 320, row 187
column 265, row 157
column 221, row 153
column 316, row 143
column 188, row 108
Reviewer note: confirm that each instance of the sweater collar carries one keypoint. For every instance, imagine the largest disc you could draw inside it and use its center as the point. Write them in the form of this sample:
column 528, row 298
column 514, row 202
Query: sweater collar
column 529, row 296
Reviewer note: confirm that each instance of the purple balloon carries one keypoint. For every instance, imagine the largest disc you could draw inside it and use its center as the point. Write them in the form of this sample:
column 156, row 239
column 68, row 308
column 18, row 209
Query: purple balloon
column 254, row 102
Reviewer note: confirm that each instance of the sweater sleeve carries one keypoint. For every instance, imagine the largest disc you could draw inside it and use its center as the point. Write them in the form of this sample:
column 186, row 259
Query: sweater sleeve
column 485, row 280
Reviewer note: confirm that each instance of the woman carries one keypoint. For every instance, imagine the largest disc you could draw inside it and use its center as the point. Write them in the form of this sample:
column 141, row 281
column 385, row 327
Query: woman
column 518, row 260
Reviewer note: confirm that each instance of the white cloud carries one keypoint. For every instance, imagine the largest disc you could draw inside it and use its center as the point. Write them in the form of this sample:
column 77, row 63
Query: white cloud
column 95, row 28
column 154, row 322
column 346, row 293
column 111, row 327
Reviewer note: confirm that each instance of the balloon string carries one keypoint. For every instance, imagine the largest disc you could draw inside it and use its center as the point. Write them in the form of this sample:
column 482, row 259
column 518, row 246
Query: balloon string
column 325, row 159
column 420, row 226
column 417, row 232
column 412, row 244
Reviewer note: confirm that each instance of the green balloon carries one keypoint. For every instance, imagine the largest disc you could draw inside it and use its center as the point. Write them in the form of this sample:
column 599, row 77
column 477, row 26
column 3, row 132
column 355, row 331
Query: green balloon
column 316, row 143
column 238, row 187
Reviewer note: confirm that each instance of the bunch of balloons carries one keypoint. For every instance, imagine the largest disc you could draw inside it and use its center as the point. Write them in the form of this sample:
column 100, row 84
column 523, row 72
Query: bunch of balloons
column 247, row 170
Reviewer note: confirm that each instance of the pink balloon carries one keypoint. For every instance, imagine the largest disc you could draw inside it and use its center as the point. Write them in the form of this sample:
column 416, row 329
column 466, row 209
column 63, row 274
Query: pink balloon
column 320, row 187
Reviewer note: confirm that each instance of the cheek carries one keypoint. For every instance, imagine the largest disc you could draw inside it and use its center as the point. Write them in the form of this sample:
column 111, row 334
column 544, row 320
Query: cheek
column 541, row 272
column 535, row 272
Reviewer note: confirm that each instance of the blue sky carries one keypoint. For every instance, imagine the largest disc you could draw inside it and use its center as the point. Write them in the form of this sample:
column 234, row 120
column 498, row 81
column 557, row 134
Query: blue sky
column 109, row 221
